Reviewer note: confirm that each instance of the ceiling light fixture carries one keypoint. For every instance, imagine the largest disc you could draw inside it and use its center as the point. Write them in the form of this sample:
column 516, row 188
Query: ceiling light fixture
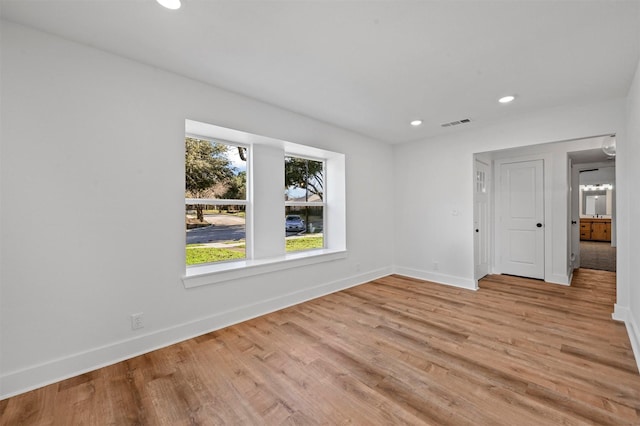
column 609, row 146
column 416, row 123
column 506, row 99
column 170, row 4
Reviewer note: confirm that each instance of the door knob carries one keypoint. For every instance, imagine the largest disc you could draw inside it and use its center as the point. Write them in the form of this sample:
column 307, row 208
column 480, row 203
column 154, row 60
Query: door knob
column 573, row 222
column 539, row 225
column 477, row 230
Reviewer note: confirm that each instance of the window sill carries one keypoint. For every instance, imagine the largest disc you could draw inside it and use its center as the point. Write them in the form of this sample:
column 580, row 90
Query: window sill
column 197, row 276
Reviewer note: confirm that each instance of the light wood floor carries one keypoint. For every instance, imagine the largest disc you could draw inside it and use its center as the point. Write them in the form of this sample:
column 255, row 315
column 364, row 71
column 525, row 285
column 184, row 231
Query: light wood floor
column 393, row 351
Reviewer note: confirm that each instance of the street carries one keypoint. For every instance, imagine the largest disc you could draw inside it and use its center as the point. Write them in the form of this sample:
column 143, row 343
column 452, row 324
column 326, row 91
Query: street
column 215, row 233
column 224, row 228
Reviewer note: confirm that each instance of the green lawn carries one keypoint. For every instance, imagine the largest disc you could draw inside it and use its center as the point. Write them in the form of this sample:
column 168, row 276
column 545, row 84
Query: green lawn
column 304, row 243
column 197, row 254
column 230, row 213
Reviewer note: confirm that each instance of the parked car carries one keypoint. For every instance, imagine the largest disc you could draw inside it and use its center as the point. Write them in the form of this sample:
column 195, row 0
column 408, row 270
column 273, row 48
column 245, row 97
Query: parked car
column 294, row 223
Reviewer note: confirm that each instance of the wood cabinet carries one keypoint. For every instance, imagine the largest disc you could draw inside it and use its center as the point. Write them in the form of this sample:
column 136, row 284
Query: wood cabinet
column 595, row 229
column 585, row 230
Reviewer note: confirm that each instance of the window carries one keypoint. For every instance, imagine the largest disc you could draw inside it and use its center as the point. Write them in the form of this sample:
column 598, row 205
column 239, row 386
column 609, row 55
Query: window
column 215, row 201
column 235, row 183
column 304, row 203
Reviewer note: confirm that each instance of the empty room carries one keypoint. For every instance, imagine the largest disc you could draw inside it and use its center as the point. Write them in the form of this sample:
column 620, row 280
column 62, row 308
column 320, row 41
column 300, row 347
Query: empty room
column 319, row 212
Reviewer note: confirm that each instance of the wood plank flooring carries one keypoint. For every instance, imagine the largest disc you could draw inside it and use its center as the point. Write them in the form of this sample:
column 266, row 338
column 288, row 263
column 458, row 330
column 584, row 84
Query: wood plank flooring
column 393, row 351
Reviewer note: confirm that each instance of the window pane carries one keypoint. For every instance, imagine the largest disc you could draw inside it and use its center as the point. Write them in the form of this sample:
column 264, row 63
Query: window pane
column 304, row 227
column 215, row 233
column 215, row 170
column 304, row 179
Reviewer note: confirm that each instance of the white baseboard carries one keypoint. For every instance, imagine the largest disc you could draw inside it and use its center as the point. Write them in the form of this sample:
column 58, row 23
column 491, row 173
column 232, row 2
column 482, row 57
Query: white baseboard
column 451, row 280
column 551, row 279
column 558, row 279
column 623, row 313
column 620, row 313
column 17, row 382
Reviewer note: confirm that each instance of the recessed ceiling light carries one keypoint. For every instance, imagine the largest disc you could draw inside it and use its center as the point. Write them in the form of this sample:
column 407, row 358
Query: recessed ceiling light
column 170, row 4
column 506, row 99
column 416, row 123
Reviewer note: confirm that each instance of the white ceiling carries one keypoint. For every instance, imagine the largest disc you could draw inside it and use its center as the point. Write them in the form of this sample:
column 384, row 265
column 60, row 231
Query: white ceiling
column 371, row 66
column 591, row 156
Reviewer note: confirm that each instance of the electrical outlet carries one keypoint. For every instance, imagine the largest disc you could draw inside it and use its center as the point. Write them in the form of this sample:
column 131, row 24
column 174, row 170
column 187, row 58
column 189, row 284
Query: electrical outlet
column 357, row 267
column 436, row 265
column 137, row 321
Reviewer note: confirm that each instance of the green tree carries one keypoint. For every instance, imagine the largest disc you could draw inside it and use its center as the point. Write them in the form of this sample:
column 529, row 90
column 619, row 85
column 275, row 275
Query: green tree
column 206, row 164
column 236, row 187
column 306, row 174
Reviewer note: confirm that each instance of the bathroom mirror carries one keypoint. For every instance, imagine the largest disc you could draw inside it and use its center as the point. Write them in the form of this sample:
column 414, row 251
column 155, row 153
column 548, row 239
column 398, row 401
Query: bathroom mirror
column 594, row 203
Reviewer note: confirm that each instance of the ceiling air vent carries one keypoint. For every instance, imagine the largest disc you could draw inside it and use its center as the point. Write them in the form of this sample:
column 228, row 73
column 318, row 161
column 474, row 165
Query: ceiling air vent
column 455, row 123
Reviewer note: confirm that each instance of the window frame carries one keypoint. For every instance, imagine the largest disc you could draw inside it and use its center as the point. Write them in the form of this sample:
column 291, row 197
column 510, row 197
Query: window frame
column 322, row 204
column 227, row 202
column 257, row 236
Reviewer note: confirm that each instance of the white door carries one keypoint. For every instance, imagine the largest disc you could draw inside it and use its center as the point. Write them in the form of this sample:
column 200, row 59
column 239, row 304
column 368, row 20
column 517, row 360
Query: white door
column 481, row 220
column 521, row 218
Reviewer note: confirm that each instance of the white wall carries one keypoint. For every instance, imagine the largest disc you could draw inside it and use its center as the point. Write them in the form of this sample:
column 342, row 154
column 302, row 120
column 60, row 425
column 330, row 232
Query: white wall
column 628, row 305
column 434, row 187
column 604, row 174
column 92, row 175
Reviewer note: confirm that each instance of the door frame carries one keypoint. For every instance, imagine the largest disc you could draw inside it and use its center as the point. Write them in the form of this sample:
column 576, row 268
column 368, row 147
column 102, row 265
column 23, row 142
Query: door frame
column 576, row 169
column 489, row 231
column 574, row 215
column 547, row 180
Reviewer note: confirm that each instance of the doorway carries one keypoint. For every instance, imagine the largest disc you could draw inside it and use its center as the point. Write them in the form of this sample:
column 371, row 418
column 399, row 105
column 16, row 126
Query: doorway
column 593, row 210
column 481, row 219
column 560, row 237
